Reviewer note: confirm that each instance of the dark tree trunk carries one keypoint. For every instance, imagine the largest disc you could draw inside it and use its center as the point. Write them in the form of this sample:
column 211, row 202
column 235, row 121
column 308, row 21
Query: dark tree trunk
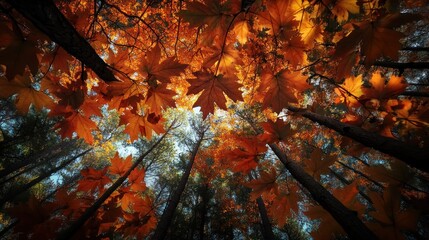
column 36, row 160
column 411, row 155
column 48, row 19
column 167, row 215
column 348, row 219
column 76, row 225
column 203, row 210
column 267, row 229
column 15, row 192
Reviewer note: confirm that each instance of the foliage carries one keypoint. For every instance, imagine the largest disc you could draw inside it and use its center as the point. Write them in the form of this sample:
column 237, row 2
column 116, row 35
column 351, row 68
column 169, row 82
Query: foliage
column 256, row 70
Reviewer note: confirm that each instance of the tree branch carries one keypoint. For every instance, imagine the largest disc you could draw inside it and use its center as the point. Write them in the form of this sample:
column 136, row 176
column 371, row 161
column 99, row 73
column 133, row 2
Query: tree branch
column 48, row 19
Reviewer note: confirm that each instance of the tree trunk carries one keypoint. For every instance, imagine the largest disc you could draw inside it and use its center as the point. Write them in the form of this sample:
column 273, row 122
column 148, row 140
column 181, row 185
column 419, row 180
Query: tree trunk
column 45, row 156
column 76, row 225
column 48, row 19
column 348, row 219
column 411, row 155
column 203, row 210
column 15, row 192
column 267, row 229
column 167, row 215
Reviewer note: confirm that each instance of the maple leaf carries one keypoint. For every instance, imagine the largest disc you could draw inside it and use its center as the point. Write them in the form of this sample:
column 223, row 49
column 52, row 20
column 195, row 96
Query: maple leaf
column 26, row 94
column 161, row 71
column 281, row 88
column 92, row 180
column 294, row 51
column 159, row 98
column 279, row 18
column 136, row 180
column 19, row 54
column 246, row 156
column 79, row 124
column 391, row 217
column 119, row 165
column 59, row 58
column 342, row 8
column 213, row 89
column 318, row 164
column 141, row 125
column 215, row 15
column 284, row 204
column 275, row 131
column 33, row 218
column 376, row 39
column 265, row 183
column 70, row 204
column 223, row 57
column 350, row 91
column 381, row 90
column 241, row 30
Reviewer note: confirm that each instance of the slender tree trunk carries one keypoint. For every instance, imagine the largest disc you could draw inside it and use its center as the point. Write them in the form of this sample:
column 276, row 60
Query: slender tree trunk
column 267, row 229
column 76, row 225
column 167, row 215
column 203, row 210
column 37, row 160
column 411, row 155
column 48, row 19
column 15, row 192
column 348, row 219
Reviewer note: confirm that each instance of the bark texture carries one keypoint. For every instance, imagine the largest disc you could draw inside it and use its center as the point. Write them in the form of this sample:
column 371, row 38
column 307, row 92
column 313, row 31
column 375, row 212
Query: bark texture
column 348, row 219
column 47, row 18
column 167, row 216
column 414, row 156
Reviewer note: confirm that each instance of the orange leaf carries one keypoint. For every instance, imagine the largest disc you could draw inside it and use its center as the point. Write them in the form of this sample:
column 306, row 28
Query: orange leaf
column 281, row 88
column 351, row 91
column 92, row 180
column 136, row 179
column 119, row 165
column 26, row 94
column 213, row 89
column 81, row 125
column 265, row 183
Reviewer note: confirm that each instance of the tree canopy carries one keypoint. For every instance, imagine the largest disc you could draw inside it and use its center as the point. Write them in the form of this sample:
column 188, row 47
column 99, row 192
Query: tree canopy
column 298, row 111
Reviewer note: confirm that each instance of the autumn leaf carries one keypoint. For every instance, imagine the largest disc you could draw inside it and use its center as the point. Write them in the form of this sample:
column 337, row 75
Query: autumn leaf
column 342, row 8
column 376, row 39
column 26, row 94
column 265, row 183
column 17, row 56
column 246, row 154
column 281, row 88
column 279, row 18
column 136, row 124
column 79, row 124
column 162, row 71
column 136, row 180
column 213, row 89
column 241, row 30
column 284, row 204
column 119, row 165
column 214, row 15
column 159, row 98
column 318, row 163
column 224, row 58
column 350, row 91
column 276, row 131
column 92, row 180
column 391, row 218
column 381, row 90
